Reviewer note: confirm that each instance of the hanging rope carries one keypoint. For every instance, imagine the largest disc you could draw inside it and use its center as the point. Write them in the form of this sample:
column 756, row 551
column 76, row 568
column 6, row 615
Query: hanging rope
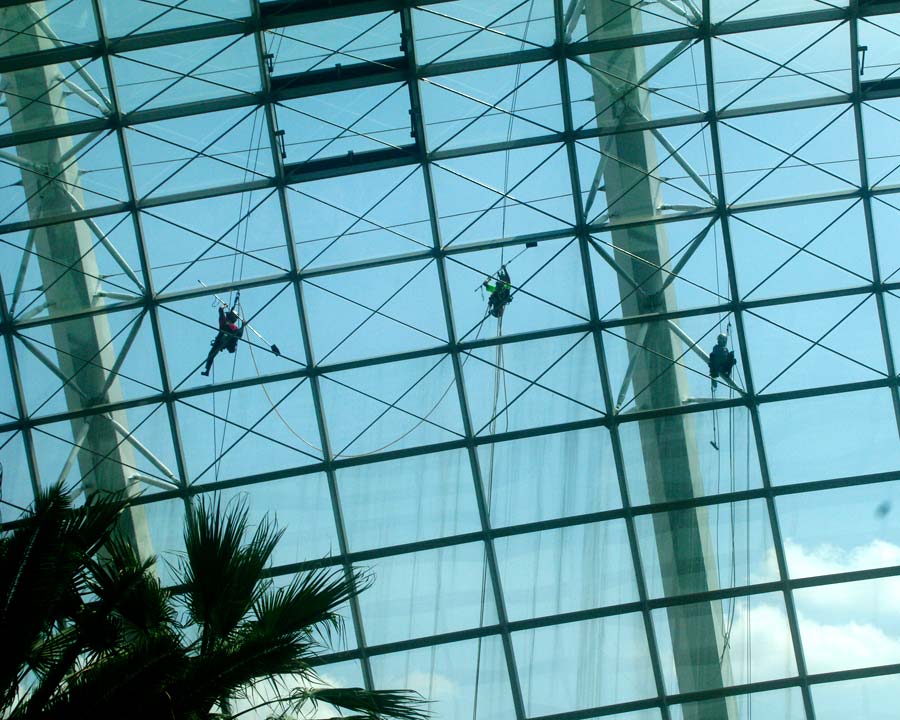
column 498, row 369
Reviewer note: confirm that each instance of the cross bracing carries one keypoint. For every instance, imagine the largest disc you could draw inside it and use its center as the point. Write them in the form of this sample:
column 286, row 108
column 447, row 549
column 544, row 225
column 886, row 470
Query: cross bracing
column 356, row 170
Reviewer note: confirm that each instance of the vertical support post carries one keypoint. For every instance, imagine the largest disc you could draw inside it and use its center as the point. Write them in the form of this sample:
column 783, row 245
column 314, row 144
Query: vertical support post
column 669, row 449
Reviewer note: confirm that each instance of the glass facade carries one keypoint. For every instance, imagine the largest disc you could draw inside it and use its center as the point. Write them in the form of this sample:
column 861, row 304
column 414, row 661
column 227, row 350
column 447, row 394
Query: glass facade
column 565, row 516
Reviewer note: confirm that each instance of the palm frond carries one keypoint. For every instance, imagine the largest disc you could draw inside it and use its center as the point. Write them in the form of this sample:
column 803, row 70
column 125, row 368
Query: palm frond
column 226, row 671
column 126, row 585
column 309, row 603
column 221, row 573
column 42, row 566
column 374, row 705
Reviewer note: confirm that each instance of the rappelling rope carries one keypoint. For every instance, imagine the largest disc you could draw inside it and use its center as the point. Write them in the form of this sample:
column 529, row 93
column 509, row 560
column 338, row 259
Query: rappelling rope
column 498, row 369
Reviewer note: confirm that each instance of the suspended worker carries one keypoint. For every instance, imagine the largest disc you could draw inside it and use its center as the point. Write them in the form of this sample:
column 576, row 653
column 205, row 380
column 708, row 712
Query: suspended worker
column 229, row 333
column 500, row 292
column 721, row 360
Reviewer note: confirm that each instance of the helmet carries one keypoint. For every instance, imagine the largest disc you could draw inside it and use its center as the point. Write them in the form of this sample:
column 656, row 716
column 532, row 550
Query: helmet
column 231, row 316
column 722, row 339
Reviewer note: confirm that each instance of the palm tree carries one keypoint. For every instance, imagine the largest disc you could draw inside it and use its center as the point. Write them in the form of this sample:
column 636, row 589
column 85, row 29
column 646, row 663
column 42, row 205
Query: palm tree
column 88, row 631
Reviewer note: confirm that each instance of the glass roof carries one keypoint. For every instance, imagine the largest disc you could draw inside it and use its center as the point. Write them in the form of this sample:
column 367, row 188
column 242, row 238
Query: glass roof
column 565, row 515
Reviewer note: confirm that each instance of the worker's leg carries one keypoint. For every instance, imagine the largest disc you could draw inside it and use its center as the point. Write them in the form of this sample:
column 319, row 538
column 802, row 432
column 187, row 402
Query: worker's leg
column 214, row 350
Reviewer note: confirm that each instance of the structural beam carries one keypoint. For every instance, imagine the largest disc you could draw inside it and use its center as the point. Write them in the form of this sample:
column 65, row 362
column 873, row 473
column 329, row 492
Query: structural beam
column 68, row 267
column 683, row 540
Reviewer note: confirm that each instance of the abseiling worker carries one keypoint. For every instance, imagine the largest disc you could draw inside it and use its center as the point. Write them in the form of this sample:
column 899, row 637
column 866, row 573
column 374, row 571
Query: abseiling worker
column 500, row 292
column 231, row 328
column 721, row 359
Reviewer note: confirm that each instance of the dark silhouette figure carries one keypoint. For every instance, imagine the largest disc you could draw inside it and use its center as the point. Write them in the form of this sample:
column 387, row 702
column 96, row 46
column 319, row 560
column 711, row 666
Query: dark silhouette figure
column 227, row 337
column 500, row 291
column 721, row 360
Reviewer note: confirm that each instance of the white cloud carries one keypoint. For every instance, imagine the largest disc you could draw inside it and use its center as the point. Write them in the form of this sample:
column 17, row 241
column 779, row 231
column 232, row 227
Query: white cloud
column 825, row 559
column 842, row 626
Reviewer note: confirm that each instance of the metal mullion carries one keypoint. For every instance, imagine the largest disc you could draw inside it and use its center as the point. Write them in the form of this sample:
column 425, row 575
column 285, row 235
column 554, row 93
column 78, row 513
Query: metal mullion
column 33, row 223
column 490, row 557
column 315, row 389
column 18, row 392
column 150, row 305
column 161, row 38
column 603, row 371
column 751, row 398
column 867, row 207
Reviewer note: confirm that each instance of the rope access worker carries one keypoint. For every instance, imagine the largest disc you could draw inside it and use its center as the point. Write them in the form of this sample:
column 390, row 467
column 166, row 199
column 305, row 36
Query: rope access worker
column 500, row 295
column 721, row 360
column 229, row 334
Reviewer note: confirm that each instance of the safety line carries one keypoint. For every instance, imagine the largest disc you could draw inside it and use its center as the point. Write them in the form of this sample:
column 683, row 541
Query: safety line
column 249, row 429
column 536, row 380
column 496, row 202
column 394, row 406
column 503, row 196
column 219, row 241
column 515, row 289
column 657, row 268
column 280, row 246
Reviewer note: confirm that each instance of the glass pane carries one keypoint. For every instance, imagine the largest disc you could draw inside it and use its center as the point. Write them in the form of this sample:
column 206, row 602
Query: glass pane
column 568, row 665
column 810, row 439
column 849, row 625
column 706, row 548
column 417, row 498
column 720, row 643
column 841, row 530
column 428, row 593
column 868, row 697
column 566, row 570
column 463, row 680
